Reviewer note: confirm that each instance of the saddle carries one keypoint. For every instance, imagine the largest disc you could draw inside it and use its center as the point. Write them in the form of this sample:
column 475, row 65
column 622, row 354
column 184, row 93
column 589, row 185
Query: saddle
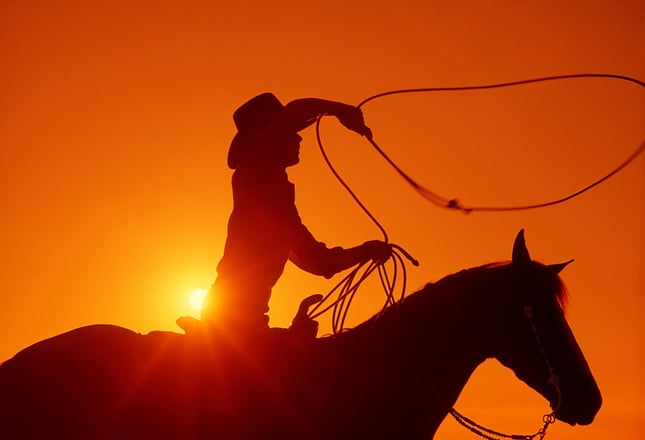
column 302, row 326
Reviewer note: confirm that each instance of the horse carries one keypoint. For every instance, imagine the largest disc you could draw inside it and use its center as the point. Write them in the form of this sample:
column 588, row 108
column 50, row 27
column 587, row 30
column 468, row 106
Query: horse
column 397, row 375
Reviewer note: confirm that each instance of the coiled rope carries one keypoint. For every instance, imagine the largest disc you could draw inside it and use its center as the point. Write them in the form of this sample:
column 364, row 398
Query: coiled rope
column 347, row 288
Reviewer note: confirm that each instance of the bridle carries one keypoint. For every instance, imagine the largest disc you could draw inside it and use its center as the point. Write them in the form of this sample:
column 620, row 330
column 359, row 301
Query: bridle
column 554, row 379
column 547, row 419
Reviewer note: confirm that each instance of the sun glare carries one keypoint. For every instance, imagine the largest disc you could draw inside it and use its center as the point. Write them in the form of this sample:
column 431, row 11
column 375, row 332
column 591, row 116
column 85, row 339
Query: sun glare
column 196, row 298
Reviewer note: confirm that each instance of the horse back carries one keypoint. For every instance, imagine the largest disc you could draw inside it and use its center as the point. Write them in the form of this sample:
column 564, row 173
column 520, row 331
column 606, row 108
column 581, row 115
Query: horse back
column 81, row 382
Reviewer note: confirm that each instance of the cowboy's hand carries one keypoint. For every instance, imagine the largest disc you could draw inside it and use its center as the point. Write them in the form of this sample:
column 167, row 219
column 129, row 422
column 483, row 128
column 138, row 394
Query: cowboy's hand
column 352, row 118
column 377, row 251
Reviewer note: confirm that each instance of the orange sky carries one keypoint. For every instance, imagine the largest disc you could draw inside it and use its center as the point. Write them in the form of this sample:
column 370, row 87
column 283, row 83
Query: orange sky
column 115, row 118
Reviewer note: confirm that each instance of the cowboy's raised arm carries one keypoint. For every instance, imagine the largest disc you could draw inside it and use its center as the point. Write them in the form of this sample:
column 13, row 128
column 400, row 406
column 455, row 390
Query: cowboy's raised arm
column 301, row 113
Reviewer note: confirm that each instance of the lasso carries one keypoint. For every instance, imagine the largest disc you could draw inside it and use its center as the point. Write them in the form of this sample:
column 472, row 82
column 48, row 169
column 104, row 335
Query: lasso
column 348, row 287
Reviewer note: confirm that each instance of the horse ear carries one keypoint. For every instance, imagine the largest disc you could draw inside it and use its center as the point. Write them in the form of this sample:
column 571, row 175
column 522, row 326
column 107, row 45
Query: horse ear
column 557, row 268
column 520, row 252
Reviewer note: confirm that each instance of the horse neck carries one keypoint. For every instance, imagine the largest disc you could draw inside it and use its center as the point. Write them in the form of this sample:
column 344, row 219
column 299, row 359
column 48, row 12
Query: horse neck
column 424, row 351
column 449, row 321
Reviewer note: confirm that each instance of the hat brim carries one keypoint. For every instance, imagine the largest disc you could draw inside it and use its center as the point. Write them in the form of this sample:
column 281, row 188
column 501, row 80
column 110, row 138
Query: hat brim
column 238, row 147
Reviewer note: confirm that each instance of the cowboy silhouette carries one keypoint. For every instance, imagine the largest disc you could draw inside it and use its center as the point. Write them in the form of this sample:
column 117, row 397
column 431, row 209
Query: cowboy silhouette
column 264, row 228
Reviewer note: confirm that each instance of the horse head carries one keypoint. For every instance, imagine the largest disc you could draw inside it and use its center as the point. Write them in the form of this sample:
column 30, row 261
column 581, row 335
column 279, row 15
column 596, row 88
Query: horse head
column 536, row 342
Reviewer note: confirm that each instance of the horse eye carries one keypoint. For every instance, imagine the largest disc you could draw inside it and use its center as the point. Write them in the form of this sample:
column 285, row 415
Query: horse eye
column 528, row 311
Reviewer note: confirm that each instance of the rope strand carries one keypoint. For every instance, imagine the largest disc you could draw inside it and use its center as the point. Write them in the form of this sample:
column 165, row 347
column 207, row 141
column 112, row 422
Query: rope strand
column 504, row 84
column 342, row 182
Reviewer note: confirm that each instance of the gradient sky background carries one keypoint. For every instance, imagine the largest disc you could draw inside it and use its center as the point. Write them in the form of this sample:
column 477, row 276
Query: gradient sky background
column 115, row 119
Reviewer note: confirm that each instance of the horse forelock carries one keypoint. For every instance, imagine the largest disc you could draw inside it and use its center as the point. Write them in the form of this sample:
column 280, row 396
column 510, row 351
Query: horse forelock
column 533, row 276
column 543, row 280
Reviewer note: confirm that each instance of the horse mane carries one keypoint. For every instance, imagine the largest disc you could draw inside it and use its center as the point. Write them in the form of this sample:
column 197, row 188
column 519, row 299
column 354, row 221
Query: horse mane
column 539, row 276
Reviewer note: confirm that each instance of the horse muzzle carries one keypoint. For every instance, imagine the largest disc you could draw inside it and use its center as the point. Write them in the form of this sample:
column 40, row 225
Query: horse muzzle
column 580, row 410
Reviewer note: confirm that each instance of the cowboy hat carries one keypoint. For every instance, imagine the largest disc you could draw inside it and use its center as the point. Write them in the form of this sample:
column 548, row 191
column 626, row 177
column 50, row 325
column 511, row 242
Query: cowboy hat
column 251, row 117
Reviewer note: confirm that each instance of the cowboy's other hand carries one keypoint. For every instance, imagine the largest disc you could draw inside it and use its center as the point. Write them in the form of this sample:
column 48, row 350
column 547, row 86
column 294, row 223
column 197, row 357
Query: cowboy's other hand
column 352, row 118
column 377, row 251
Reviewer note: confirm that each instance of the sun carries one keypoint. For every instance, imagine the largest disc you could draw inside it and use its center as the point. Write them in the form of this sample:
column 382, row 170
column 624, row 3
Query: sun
column 196, row 298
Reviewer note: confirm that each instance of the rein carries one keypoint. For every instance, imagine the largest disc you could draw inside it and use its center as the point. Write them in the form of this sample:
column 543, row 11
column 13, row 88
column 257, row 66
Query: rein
column 547, row 419
column 490, row 434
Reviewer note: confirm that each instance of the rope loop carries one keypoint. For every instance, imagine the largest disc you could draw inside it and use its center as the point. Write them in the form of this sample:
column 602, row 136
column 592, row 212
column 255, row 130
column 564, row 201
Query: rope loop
column 454, row 203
